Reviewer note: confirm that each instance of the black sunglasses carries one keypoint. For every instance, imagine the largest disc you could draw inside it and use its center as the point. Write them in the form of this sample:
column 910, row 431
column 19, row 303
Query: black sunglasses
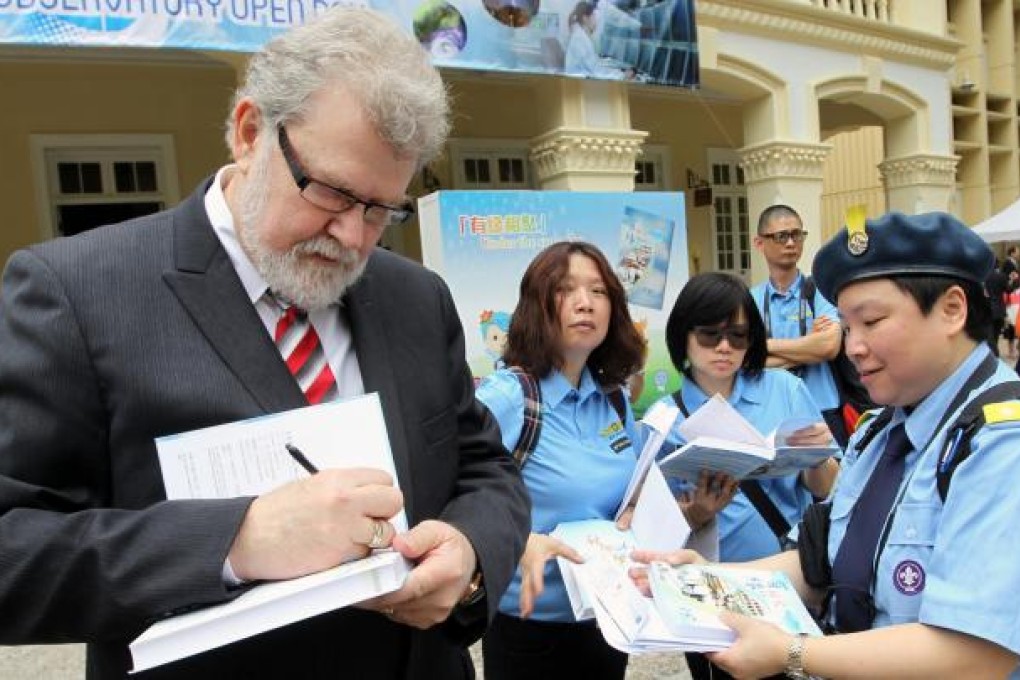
column 709, row 337
column 337, row 200
column 781, row 237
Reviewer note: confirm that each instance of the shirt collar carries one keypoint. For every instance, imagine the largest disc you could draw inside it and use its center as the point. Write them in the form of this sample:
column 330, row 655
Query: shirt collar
column 222, row 220
column 555, row 387
column 922, row 421
column 743, row 390
column 794, row 288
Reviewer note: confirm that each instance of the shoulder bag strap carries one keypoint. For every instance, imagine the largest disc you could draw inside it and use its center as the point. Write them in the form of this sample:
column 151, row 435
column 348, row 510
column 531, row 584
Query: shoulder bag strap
column 531, row 427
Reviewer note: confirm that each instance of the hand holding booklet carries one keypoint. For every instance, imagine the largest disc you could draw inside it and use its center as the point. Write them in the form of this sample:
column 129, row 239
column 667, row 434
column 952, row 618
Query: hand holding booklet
column 721, row 440
column 657, row 523
column 689, row 599
column 249, row 458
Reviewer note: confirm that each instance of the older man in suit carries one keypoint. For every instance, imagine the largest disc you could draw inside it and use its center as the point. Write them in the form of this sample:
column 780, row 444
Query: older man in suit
column 167, row 323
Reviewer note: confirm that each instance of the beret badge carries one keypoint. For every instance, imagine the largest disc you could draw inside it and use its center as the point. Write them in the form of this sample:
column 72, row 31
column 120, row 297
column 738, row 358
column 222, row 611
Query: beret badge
column 856, row 235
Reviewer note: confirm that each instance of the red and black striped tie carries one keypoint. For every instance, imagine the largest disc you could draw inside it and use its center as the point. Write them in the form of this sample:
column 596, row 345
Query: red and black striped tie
column 300, row 347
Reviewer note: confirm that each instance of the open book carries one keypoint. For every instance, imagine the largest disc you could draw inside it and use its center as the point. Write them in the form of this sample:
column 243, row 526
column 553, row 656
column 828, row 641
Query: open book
column 690, row 597
column 249, row 458
column 721, row 440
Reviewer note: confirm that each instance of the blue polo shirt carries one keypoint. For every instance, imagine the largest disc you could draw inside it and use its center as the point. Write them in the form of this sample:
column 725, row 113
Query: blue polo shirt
column 785, row 313
column 949, row 565
column 579, row 469
column 765, row 402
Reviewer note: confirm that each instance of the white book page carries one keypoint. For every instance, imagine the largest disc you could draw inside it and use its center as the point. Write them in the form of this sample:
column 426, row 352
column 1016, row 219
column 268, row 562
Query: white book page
column 658, row 523
column 716, row 418
column 249, row 458
column 658, row 420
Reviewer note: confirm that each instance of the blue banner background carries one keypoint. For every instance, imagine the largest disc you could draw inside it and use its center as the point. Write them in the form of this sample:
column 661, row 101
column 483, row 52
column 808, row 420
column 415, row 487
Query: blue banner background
column 652, row 42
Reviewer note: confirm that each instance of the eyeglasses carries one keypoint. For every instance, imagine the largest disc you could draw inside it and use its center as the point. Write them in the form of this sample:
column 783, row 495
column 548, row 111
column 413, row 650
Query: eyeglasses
column 781, row 237
column 709, row 337
column 337, row 200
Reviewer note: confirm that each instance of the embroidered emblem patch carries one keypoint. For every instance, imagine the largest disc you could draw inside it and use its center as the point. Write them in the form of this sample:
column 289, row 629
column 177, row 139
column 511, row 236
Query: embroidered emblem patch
column 908, row 577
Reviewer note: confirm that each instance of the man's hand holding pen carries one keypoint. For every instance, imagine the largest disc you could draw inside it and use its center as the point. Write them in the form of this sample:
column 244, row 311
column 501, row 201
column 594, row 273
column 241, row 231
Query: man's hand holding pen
column 315, row 523
column 336, row 515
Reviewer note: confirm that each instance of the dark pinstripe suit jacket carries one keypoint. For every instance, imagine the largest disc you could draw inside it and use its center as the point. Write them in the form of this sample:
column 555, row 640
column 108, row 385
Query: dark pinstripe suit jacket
column 143, row 329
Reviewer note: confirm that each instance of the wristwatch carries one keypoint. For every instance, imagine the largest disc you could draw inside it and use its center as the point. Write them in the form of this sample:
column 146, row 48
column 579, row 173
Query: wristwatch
column 795, row 659
column 475, row 591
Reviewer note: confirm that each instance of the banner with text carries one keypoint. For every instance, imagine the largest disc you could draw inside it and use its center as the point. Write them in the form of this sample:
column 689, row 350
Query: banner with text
column 643, row 40
column 482, row 241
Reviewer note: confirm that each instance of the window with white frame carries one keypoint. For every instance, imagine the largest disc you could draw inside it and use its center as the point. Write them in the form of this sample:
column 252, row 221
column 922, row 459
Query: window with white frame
column 84, row 181
column 651, row 169
column 730, row 223
column 490, row 164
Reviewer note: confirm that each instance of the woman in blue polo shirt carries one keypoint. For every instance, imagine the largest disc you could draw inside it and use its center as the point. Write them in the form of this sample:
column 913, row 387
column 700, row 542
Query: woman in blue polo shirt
column 716, row 339
column 914, row 572
column 573, row 333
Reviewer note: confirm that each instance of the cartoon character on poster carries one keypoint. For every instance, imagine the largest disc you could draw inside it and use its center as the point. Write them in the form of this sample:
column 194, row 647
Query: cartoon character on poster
column 494, row 327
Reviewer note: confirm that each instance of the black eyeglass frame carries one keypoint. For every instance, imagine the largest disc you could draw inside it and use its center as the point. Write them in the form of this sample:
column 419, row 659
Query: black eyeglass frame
column 738, row 335
column 393, row 215
column 781, row 237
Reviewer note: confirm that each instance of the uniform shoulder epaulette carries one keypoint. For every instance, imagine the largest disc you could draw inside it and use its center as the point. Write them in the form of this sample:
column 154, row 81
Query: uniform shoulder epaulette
column 1002, row 412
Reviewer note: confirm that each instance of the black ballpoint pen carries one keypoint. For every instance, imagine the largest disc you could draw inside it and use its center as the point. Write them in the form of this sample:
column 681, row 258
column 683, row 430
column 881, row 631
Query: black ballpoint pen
column 296, row 454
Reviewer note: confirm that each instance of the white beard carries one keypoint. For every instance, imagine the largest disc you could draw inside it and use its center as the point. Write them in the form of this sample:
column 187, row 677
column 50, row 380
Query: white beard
column 289, row 274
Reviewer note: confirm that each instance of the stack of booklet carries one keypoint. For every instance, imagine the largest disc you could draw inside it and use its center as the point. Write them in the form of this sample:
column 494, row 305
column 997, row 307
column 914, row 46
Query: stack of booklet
column 689, row 599
column 721, row 440
column 682, row 614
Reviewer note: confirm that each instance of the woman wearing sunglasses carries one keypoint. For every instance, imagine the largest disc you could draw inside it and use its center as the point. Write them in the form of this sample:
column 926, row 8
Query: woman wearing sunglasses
column 716, row 339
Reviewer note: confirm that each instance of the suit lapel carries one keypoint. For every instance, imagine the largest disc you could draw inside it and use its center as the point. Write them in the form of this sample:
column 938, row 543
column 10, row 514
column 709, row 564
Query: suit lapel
column 206, row 284
column 368, row 327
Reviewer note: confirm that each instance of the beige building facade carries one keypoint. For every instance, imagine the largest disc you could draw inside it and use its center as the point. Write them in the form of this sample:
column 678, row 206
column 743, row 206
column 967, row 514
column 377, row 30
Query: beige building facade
column 898, row 104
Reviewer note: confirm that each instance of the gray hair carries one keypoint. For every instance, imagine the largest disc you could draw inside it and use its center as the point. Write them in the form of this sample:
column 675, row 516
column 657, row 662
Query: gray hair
column 366, row 53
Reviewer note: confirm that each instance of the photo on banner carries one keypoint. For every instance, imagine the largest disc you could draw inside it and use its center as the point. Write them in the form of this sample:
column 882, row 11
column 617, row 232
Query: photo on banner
column 645, row 41
column 482, row 241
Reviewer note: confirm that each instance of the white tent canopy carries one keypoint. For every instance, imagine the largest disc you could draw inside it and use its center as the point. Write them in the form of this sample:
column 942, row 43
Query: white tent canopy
column 1004, row 226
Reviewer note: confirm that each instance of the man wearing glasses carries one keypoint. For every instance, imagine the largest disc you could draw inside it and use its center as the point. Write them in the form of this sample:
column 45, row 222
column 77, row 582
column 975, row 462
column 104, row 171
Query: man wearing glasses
column 182, row 320
column 802, row 326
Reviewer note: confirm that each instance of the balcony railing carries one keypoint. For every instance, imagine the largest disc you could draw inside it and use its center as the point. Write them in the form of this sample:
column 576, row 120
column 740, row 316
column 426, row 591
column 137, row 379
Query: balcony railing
column 875, row 10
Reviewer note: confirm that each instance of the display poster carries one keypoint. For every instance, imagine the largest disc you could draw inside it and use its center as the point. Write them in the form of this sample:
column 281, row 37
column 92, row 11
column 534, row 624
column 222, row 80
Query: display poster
column 482, row 241
column 653, row 41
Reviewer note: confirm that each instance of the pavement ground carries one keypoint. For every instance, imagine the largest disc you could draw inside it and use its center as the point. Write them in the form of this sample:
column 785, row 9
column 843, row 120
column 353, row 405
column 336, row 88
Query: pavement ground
column 67, row 662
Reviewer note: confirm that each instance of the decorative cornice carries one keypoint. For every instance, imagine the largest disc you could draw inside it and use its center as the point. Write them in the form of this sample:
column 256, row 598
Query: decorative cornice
column 585, row 151
column 919, row 169
column 771, row 160
column 784, row 20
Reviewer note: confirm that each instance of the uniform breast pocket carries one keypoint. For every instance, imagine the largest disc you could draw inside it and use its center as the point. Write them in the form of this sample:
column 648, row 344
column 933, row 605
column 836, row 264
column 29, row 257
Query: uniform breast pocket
column 903, row 572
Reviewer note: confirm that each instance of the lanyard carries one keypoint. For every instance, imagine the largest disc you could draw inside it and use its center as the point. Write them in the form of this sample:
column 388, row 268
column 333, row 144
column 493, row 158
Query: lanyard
column 801, row 312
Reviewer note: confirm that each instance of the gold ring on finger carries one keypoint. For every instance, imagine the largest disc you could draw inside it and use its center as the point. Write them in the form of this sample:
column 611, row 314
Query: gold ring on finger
column 378, row 539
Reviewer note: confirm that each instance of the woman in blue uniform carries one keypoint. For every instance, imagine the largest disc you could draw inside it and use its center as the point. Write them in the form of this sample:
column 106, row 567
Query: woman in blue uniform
column 573, row 334
column 921, row 577
column 716, row 339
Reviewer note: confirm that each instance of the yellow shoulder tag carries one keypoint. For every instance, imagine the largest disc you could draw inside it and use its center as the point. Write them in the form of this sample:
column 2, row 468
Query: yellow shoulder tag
column 1002, row 412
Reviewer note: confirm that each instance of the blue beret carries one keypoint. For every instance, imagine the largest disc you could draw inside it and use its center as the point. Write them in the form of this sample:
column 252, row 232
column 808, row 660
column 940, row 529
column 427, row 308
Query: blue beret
column 896, row 244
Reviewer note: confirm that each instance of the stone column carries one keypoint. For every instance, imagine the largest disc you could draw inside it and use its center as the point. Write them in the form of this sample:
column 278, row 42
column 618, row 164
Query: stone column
column 786, row 172
column 920, row 183
column 589, row 145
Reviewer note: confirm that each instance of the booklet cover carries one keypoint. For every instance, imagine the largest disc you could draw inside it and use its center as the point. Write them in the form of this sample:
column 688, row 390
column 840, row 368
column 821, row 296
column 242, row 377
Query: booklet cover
column 690, row 597
column 721, row 440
